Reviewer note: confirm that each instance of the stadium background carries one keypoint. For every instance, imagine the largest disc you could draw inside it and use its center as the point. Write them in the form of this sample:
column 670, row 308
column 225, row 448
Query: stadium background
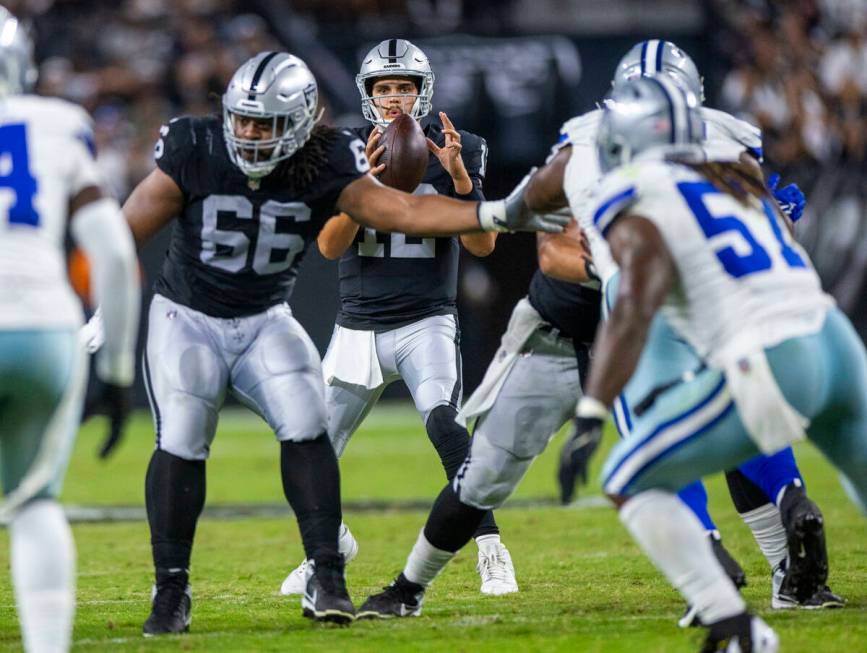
column 512, row 71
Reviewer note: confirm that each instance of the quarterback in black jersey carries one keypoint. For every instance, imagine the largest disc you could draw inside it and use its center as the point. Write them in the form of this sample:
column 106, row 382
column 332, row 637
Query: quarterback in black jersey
column 250, row 192
column 398, row 317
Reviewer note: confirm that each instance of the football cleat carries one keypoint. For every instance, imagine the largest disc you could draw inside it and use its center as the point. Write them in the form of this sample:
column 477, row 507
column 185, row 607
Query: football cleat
column 171, row 607
column 296, row 581
column 325, row 598
column 743, row 633
column 807, row 562
column 734, row 571
column 783, row 598
column 496, row 570
column 400, row 599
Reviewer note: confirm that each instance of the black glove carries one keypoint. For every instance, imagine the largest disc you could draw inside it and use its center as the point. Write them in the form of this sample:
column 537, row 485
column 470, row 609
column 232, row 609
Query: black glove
column 575, row 455
column 114, row 402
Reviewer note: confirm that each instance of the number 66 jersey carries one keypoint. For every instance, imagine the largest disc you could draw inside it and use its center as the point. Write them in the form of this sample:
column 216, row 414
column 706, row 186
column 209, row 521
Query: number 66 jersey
column 237, row 246
column 743, row 283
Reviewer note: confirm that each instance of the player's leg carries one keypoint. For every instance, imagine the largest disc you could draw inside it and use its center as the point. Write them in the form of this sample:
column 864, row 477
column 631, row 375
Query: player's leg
column 691, row 431
column 185, row 377
column 280, row 375
column 42, row 379
column 428, row 358
column 536, row 399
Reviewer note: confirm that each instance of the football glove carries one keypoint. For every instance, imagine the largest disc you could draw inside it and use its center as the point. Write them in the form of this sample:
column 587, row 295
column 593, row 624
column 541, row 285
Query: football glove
column 790, row 199
column 92, row 334
column 575, row 455
column 114, row 402
column 512, row 213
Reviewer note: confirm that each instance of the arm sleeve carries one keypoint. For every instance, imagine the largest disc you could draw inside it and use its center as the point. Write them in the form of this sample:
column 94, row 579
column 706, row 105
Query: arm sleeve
column 101, row 231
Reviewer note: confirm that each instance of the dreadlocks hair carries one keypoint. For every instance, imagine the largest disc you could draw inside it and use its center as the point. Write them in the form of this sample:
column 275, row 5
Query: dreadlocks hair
column 302, row 168
column 738, row 179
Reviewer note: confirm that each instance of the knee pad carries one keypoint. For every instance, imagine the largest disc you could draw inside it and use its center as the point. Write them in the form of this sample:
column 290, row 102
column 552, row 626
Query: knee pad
column 449, row 438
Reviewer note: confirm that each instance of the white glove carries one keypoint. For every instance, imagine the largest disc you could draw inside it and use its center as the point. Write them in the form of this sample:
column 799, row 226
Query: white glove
column 92, row 335
column 512, row 214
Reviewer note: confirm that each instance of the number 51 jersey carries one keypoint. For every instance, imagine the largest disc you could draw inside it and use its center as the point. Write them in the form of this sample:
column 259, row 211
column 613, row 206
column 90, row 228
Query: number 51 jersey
column 743, row 283
column 46, row 158
column 236, row 248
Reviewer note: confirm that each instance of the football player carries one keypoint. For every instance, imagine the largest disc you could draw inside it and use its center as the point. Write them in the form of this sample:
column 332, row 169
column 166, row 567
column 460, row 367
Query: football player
column 768, row 491
column 50, row 183
column 398, row 317
column 251, row 191
column 528, row 393
column 777, row 369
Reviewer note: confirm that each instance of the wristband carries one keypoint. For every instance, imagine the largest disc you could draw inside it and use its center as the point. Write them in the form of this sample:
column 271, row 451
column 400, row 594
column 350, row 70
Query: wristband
column 593, row 408
column 492, row 215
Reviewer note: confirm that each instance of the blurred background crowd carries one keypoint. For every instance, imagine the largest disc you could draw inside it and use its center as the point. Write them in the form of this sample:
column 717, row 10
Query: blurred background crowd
column 510, row 70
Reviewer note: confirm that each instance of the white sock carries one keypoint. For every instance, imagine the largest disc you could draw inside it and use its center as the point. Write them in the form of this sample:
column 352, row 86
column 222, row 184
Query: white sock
column 43, row 573
column 425, row 561
column 345, row 540
column 767, row 526
column 673, row 538
column 491, row 539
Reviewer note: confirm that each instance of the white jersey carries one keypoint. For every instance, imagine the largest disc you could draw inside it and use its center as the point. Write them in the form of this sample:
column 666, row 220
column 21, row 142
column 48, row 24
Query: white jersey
column 726, row 137
column 743, row 284
column 46, row 158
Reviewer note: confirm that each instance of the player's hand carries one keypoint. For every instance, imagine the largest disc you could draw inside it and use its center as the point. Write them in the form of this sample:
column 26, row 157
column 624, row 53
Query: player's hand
column 373, row 152
column 449, row 156
column 512, row 214
column 575, row 455
column 92, row 335
column 790, row 199
column 114, row 402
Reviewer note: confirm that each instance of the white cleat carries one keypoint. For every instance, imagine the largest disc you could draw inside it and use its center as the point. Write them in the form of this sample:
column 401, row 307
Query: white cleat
column 765, row 640
column 762, row 638
column 296, row 581
column 496, row 570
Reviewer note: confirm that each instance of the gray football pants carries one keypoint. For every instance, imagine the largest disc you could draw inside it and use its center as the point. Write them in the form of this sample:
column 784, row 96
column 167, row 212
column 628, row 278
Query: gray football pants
column 538, row 396
column 425, row 354
column 266, row 360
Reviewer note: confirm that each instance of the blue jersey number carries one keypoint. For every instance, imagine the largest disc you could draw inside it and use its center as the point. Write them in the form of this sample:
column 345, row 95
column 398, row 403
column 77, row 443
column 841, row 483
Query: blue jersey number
column 754, row 257
column 15, row 174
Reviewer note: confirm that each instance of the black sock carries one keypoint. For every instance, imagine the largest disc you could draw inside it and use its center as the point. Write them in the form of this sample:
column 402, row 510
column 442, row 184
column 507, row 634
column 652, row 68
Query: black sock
column 311, row 483
column 175, row 496
column 451, row 524
column 452, row 443
column 745, row 494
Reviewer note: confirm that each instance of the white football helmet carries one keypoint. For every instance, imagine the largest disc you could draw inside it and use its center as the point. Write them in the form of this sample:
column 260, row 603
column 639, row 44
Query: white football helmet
column 276, row 86
column 655, row 57
column 17, row 71
column 395, row 58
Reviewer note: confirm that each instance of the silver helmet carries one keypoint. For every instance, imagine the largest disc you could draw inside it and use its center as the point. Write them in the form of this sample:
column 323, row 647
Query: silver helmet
column 275, row 86
column 395, row 58
column 17, row 71
column 649, row 113
column 655, row 57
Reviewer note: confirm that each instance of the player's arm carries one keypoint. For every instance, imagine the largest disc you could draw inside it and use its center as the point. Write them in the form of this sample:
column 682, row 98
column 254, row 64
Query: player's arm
column 337, row 236
column 565, row 256
column 481, row 244
column 647, row 273
column 152, row 205
column 545, row 192
column 386, row 209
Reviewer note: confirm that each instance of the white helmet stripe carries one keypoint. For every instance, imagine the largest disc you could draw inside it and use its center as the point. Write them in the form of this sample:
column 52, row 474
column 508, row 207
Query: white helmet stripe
column 651, row 62
column 680, row 127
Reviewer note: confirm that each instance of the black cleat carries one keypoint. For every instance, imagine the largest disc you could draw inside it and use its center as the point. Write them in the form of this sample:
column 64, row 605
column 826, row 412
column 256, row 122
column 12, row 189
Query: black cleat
column 823, row 599
column 783, row 596
column 171, row 608
column 807, row 570
column 325, row 598
column 734, row 571
column 402, row 598
column 744, row 632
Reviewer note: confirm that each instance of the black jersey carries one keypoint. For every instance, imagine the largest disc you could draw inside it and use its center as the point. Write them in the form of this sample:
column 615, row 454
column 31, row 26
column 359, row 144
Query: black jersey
column 236, row 247
column 390, row 280
column 569, row 307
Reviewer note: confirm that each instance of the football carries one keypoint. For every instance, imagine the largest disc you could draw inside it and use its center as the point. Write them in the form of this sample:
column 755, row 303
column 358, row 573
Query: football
column 406, row 154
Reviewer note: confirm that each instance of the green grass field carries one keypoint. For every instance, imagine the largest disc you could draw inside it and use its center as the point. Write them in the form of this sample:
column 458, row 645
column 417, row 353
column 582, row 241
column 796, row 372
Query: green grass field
column 584, row 584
